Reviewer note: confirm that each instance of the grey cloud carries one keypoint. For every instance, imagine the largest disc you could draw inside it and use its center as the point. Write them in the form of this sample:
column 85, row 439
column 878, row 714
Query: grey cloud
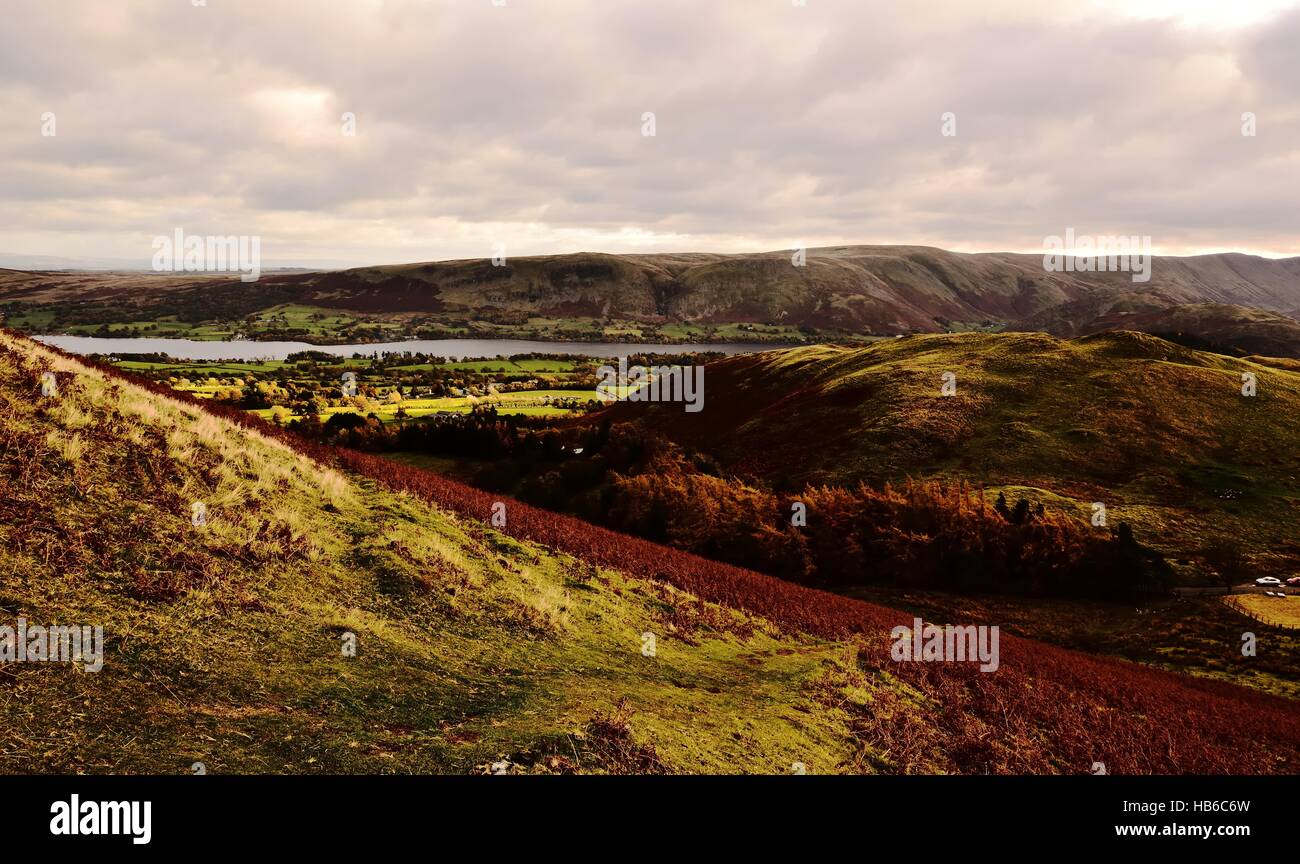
column 775, row 123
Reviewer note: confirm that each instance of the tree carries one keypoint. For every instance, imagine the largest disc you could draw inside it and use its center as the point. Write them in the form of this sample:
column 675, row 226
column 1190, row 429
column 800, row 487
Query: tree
column 1225, row 557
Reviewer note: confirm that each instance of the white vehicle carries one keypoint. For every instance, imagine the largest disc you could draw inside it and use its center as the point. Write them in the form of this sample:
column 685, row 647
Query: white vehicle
column 1268, row 580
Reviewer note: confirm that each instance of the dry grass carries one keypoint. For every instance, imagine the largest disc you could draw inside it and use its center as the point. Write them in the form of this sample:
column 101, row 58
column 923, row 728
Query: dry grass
column 1274, row 611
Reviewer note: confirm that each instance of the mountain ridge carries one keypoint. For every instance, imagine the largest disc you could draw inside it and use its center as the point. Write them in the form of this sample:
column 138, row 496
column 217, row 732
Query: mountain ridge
column 926, row 285
column 839, row 292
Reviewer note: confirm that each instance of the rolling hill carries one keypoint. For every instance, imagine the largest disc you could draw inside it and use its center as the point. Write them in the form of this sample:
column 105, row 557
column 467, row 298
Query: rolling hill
column 520, row 647
column 1158, row 432
column 848, row 290
column 879, row 290
column 224, row 641
column 1218, row 327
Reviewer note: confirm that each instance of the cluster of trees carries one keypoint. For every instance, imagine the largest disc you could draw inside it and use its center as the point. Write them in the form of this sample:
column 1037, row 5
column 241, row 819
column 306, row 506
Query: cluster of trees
column 923, row 535
column 479, row 434
column 514, row 444
column 920, row 535
column 223, row 389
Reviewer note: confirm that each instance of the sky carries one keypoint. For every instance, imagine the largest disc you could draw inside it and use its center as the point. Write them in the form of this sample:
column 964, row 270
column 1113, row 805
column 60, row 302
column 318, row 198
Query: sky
column 521, row 126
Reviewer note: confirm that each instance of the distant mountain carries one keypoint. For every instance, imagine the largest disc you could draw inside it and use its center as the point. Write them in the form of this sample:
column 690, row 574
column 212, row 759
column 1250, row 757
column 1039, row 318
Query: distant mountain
column 840, row 292
column 862, row 288
column 866, row 290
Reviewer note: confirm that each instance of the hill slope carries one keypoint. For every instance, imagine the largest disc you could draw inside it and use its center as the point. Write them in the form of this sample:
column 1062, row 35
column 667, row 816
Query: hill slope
column 859, row 290
column 224, row 641
column 867, row 289
column 1158, row 432
column 473, row 645
column 1219, row 327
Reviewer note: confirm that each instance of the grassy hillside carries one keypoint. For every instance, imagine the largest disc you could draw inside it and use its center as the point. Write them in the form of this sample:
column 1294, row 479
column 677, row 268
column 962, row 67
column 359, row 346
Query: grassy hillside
column 859, row 291
column 476, row 645
column 1225, row 329
column 867, row 289
column 1159, row 433
column 224, row 642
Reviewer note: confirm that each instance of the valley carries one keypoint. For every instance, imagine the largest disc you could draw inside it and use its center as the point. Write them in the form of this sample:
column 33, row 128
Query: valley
column 621, row 465
column 482, row 647
column 363, row 489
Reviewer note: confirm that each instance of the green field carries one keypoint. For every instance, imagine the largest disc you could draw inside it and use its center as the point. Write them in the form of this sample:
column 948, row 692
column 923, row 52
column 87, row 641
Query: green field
column 33, row 318
column 161, row 329
column 532, row 403
column 310, row 385
column 205, row 368
column 501, row 366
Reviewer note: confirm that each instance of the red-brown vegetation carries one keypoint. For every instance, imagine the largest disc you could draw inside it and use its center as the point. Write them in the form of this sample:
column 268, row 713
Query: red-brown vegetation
column 1046, row 709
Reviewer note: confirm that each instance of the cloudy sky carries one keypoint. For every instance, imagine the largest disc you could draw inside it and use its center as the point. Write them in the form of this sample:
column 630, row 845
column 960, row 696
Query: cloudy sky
column 522, row 124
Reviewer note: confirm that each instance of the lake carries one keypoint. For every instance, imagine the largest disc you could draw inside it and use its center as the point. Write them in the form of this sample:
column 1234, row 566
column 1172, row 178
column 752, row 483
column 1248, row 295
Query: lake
column 456, row 349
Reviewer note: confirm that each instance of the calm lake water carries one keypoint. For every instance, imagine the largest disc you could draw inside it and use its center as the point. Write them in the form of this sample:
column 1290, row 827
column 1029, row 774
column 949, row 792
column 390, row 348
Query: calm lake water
column 457, row 349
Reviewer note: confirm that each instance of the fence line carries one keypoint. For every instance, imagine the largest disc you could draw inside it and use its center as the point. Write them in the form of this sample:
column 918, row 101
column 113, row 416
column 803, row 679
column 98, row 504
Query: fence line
column 1231, row 602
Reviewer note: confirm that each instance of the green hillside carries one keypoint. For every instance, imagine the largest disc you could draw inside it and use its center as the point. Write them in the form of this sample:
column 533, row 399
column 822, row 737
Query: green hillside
column 1161, row 434
column 224, row 642
column 1238, row 303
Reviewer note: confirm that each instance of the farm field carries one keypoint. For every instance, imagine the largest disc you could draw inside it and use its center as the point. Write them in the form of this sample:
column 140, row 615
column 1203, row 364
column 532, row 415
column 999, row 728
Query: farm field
column 497, row 365
column 534, row 403
column 392, row 389
column 1277, row 611
column 164, row 329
